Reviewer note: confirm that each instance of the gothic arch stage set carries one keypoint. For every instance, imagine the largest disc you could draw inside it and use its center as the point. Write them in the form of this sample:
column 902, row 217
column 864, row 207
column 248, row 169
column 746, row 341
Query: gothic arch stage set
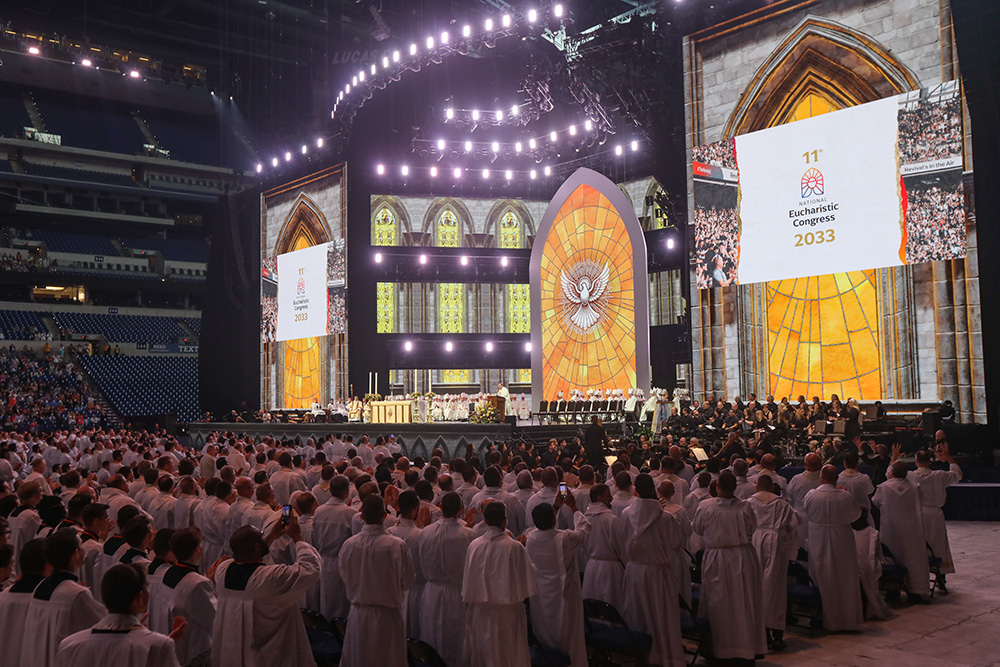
column 641, row 266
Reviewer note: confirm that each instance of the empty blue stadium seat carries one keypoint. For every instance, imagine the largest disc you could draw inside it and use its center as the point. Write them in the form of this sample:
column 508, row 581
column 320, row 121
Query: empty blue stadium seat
column 58, row 241
column 108, row 130
column 139, row 386
column 21, row 324
column 122, row 328
column 176, row 249
column 83, row 175
column 13, row 115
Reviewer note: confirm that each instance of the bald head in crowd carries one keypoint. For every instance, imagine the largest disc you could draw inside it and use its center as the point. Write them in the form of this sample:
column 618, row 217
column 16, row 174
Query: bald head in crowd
column 829, row 475
column 813, row 462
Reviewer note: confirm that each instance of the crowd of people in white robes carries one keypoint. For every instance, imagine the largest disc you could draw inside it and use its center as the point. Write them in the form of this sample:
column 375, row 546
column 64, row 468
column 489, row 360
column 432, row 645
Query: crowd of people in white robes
column 144, row 551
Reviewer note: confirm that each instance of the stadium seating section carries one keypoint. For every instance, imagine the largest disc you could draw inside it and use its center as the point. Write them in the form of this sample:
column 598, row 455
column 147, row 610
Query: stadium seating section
column 121, row 328
column 82, row 244
column 21, row 324
column 100, row 130
column 13, row 115
column 83, row 175
column 178, row 250
column 147, row 385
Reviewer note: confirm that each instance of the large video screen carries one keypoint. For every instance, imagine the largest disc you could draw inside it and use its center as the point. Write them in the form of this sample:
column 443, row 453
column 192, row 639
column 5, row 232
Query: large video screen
column 303, row 295
column 871, row 186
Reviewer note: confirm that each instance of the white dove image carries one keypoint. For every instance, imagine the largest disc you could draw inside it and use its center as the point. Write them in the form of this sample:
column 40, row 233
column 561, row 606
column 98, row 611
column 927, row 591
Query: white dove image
column 585, row 292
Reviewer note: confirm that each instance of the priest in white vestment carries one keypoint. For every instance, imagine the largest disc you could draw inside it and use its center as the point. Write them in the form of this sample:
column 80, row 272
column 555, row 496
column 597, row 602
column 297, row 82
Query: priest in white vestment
column 682, row 563
column 60, row 605
column 443, row 547
column 604, row 576
column 557, row 607
column 776, row 542
column 833, row 563
column 796, row 492
column 902, row 530
column 258, row 622
column 498, row 577
column 24, row 521
column 331, row 528
column 190, row 596
column 732, row 594
column 211, row 515
column 869, row 550
column 407, row 530
column 933, row 486
column 14, row 600
column 652, row 538
column 377, row 572
column 119, row 639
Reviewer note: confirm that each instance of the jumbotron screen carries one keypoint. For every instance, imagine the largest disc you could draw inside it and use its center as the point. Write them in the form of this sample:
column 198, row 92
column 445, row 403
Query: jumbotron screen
column 871, row 186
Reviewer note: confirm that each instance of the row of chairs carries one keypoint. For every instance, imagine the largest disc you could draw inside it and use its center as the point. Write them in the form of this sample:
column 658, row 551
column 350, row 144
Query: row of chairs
column 578, row 411
column 609, row 639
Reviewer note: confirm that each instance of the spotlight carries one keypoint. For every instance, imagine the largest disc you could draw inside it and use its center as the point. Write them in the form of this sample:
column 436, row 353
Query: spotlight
column 532, row 174
column 423, row 259
column 572, row 130
column 288, row 156
column 532, row 144
column 385, row 62
column 670, row 244
column 532, row 15
column 34, row 50
column 557, row 11
column 380, row 169
column 517, row 147
column 405, row 170
column 440, row 144
column 374, row 69
column 475, row 114
column 274, row 162
column 134, row 74
column 464, row 261
column 547, row 171
column 378, row 258
column 445, row 37
column 347, row 88
column 514, row 110
column 489, row 24
column 354, row 81
column 259, row 167
column 635, row 145
column 486, row 173
column 395, row 56
column 503, row 261
column 434, row 172
column 449, row 113
column 86, row 62
column 457, row 172
column 408, row 346
column 553, row 137
column 527, row 347
column 505, row 20
column 430, row 43
column 448, row 347
column 466, row 30
column 508, row 174
column 319, row 143
column 468, row 146
column 618, row 150
column 304, row 149
column 495, row 146
column 361, row 75
column 413, row 49
column 499, row 115
column 588, row 125
column 489, row 347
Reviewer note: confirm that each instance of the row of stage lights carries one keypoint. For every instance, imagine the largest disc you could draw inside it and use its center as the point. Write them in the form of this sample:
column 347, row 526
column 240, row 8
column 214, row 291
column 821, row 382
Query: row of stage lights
column 449, row 346
column 486, row 174
column 463, row 260
column 87, row 62
column 533, row 146
column 434, row 46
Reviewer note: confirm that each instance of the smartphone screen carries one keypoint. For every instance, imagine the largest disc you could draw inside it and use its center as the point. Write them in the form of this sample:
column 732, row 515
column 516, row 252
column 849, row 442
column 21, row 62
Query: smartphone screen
column 563, row 489
column 286, row 514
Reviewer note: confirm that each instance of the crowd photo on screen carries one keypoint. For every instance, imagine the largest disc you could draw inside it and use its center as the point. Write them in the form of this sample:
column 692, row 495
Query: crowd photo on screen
column 716, row 234
column 930, row 131
column 720, row 153
column 935, row 218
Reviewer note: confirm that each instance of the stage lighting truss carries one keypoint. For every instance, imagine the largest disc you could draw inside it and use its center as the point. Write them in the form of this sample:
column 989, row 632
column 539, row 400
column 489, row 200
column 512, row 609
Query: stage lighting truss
column 545, row 146
column 434, row 48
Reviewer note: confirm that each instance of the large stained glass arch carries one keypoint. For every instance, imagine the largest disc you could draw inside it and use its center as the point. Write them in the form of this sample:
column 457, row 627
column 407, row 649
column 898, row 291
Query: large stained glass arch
column 385, row 232
column 451, row 311
column 589, row 292
column 510, row 234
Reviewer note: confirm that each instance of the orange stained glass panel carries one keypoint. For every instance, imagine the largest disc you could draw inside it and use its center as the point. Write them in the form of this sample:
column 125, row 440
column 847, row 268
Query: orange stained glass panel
column 588, row 228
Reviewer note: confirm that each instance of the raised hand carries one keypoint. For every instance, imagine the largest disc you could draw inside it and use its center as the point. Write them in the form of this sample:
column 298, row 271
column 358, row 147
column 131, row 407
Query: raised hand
column 897, row 451
column 180, row 625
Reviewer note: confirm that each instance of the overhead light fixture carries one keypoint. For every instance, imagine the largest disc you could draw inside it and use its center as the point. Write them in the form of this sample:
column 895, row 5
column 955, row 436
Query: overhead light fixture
column 475, row 114
column 532, row 174
column 288, row 156
column 464, row 261
column 413, row 49
column 34, row 50
column 304, row 149
column 430, row 43
column 557, row 11
column 445, row 37
column 527, row 347
column 486, row 173
column 440, row 144
column 434, row 172
column 514, row 110
column 378, row 258
column 408, row 346
column 489, row 24
column 553, row 137
column 86, row 62
column 517, row 147
column 532, row 144
column 380, row 169
column 395, row 56
column 468, row 146
column 670, row 244
column 134, row 74
column 319, row 142
column 385, row 62
column 466, row 30
column 499, row 115
column 489, row 346
column 274, row 162
column 547, row 171
column 588, row 125
column 532, row 15
column 635, row 145
column 505, row 21
column 449, row 113
column 618, row 149
column 405, row 170
column 508, row 174
column 361, row 75
column 423, row 259
column 457, row 172
column 503, row 261
column 259, row 167
column 374, row 69
column 495, row 146
column 448, row 347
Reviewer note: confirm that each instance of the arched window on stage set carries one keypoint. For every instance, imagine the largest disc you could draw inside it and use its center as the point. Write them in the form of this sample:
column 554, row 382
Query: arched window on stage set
column 385, row 232
column 510, row 234
column 451, row 297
